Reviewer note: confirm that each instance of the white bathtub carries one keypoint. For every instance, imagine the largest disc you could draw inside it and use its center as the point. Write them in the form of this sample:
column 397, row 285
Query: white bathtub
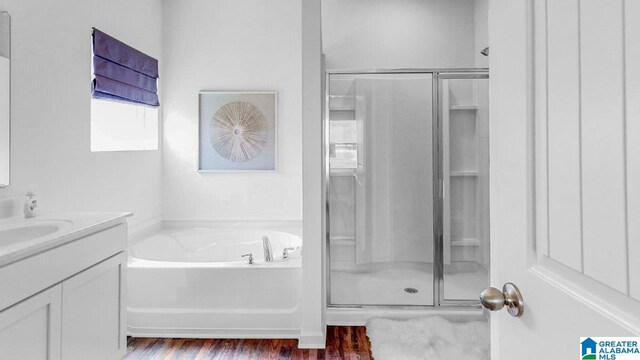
column 192, row 282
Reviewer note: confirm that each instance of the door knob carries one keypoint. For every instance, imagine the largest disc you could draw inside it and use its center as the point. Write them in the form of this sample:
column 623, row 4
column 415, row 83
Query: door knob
column 493, row 299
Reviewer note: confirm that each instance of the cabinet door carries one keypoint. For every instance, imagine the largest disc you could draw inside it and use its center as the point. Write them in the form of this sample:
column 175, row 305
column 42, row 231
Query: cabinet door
column 30, row 330
column 93, row 312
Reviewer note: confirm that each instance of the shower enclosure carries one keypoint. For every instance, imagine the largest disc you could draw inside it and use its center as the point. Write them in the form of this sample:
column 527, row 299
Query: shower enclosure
column 406, row 181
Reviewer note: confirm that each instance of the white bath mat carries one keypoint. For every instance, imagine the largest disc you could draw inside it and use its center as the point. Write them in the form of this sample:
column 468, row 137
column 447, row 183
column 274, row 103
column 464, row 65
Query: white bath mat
column 428, row 338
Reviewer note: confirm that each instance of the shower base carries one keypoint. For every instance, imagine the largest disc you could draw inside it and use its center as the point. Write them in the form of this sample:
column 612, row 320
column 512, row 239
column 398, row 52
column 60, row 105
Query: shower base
column 387, row 286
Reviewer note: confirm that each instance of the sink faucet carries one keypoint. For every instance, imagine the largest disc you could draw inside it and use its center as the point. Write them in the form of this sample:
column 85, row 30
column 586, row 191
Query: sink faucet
column 266, row 245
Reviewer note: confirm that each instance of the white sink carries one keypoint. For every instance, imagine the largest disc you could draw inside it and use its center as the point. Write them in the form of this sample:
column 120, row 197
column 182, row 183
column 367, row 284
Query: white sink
column 24, row 231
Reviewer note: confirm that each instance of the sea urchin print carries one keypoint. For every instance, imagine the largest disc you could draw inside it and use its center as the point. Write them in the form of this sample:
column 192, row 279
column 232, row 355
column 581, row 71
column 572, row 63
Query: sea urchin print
column 238, row 131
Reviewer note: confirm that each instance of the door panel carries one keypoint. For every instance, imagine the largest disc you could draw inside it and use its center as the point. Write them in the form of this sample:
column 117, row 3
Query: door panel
column 93, row 312
column 30, row 330
column 569, row 290
column 603, row 153
column 632, row 101
column 565, row 214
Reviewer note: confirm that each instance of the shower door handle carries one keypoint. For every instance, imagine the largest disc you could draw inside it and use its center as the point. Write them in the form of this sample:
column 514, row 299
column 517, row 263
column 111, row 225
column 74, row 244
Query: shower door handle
column 493, row 299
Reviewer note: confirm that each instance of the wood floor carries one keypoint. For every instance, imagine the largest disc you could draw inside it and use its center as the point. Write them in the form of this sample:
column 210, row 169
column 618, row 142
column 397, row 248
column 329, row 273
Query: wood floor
column 343, row 342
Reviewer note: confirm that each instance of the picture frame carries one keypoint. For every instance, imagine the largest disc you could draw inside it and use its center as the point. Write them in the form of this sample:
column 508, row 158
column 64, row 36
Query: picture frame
column 237, row 131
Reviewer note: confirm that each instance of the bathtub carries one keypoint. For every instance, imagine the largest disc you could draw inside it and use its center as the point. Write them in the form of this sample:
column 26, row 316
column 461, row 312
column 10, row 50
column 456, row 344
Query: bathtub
column 191, row 281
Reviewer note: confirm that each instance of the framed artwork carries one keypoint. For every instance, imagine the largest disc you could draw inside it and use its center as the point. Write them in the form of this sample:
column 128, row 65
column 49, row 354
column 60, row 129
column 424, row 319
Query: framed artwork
column 237, row 131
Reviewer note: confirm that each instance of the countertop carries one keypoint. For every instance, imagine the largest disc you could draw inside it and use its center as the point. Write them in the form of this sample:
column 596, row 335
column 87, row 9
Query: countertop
column 73, row 225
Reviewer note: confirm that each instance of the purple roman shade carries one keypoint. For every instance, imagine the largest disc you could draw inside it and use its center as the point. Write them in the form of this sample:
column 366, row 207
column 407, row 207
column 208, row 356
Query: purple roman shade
column 123, row 73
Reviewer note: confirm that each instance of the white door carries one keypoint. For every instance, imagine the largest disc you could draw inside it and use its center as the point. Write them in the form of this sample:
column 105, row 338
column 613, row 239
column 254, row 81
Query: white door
column 565, row 172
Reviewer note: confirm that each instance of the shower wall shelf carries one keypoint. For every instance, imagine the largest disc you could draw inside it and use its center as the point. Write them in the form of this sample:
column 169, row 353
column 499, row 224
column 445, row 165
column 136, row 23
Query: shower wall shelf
column 465, row 173
column 463, row 154
column 342, row 103
column 464, row 107
column 343, row 172
column 465, row 242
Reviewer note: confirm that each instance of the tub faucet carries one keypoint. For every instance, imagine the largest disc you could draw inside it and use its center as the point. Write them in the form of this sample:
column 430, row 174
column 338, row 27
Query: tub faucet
column 285, row 252
column 250, row 256
column 266, row 245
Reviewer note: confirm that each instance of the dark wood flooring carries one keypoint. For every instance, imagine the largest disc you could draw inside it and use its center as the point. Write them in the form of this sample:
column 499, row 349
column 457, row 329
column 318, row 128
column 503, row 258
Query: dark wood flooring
column 343, row 342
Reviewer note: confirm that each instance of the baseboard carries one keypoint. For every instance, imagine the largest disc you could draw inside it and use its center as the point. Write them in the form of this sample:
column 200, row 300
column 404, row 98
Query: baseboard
column 213, row 333
column 312, row 340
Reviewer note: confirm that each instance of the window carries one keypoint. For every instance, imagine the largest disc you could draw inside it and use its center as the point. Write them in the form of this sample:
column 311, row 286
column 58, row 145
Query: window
column 124, row 104
column 119, row 126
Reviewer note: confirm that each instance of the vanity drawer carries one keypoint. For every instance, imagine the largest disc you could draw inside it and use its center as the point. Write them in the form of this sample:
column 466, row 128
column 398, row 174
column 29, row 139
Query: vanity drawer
column 26, row 277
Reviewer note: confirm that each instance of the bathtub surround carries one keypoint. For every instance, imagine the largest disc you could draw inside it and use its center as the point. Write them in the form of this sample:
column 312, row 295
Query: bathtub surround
column 428, row 338
column 50, row 130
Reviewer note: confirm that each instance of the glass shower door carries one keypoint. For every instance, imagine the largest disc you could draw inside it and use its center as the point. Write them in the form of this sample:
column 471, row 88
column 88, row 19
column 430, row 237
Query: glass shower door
column 380, row 189
column 464, row 114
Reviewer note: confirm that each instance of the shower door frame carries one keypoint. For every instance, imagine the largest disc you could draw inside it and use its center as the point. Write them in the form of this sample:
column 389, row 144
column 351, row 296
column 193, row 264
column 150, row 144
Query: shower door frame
column 440, row 240
column 438, row 181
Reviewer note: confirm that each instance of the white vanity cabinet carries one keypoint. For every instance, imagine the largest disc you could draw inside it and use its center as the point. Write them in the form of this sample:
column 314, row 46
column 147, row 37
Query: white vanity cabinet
column 93, row 325
column 31, row 329
column 66, row 302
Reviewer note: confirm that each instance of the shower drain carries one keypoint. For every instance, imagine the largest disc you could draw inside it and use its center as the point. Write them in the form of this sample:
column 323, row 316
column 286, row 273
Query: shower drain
column 411, row 290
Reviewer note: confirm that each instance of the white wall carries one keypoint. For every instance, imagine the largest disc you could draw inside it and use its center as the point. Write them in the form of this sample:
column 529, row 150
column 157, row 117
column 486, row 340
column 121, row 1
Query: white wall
column 51, row 76
column 481, row 28
column 5, row 49
column 481, row 19
column 383, row 34
column 231, row 45
column 312, row 328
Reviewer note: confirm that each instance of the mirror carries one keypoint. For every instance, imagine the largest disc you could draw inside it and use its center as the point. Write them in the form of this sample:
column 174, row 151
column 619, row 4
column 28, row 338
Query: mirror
column 5, row 98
